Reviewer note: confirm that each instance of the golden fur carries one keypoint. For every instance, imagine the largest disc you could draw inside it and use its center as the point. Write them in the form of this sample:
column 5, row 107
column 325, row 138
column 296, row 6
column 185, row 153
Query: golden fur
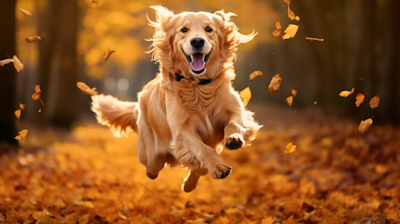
column 182, row 122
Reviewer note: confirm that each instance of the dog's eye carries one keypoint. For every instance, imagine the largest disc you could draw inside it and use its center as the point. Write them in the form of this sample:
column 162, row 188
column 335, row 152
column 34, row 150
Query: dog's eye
column 208, row 29
column 184, row 30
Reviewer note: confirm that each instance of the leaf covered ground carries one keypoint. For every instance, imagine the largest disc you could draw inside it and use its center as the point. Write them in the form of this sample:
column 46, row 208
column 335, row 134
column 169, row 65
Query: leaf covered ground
column 336, row 175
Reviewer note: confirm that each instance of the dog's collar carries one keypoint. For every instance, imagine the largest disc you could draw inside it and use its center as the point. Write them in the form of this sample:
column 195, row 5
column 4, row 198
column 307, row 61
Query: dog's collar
column 202, row 81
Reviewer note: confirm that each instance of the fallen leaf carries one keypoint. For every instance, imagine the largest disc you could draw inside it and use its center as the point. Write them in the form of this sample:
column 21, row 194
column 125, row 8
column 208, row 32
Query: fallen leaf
column 6, row 61
column 290, row 148
column 346, row 93
column 311, row 39
column 94, row 3
column 246, row 95
column 255, row 74
column 291, row 14
column 22, row 106
column 364, row 125
column 359, row 99
column 294, row 92
column 315, row 102
column 88, row 204
column 22, row 134
column 374, row 102
column 381, row 169
column 290, row 31
column 17, row 64
column 25, row 12
column 86, row 89
column 107, row 54
column 289, row 100
column 33, row 39
column 17, row 113
column 275, row 84
column 278, row 29
column 268, row 220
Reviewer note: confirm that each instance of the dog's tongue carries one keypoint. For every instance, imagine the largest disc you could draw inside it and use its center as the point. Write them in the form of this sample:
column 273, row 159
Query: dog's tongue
column 197, row 64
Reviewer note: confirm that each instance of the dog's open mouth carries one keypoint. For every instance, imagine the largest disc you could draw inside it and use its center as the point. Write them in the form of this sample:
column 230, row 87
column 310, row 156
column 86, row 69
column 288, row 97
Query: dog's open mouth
column 197, row 61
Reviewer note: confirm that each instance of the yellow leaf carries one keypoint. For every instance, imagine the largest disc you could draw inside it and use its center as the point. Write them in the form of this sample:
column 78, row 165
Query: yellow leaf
column 86, row 89
column 290, row 31
column 94, row 3
column 17, row 113
column 268, row 220
column 290, row 148
column 25, row 12
column 289, row 100
column 6, row 61
column 107, row 54
column 294, row 92
column 278, row 29
column 246, row 95
column 346, row 93
column 374, row 102
column 22, row 134
column 88, row 204
column 275, row 84
column 291, row 14
column 17, row 64
column 359, row 99
column 364, row 125
column 311, row 39
column 255, row 74
column 33, row 39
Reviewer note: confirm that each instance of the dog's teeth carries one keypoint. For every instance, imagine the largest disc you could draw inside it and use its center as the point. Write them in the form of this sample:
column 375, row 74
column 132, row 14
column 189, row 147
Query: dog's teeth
column 191, row 57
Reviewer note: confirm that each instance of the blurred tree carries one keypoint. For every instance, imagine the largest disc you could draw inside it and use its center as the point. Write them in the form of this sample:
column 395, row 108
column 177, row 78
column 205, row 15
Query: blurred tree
column 7, row 76
column 58, row 66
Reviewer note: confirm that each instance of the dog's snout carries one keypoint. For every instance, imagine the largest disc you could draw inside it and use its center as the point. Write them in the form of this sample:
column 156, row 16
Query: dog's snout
column 197, row 42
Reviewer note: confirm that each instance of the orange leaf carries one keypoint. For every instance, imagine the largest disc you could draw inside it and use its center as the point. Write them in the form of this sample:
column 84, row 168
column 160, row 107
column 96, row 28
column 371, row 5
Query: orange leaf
column 36, row 95
column 315, row 102
column 275, row 84
column 287, row 1
column 25, row 12
column 278, row 29
column 294, row 92
column 290, row 31
column 290, row 148
column 86, row 89
column 289, row 100
column 311, row 39
column 33, row 39
column 22, row 106
column 22, row 134
column 346, row 93
column 364, row 125
column 246, row 95
column 374, row 102
column 359, row 99
column 40, row 110
column 255, row 74
column 107, row 54
column 268, row 220
column 291, row 14
column 94, row 3
column 17, row 113
column 17, row 64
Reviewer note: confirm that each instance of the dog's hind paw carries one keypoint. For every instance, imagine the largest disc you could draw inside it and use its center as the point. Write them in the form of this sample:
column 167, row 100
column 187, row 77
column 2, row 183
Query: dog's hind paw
column 221, row 171
column 234, row 141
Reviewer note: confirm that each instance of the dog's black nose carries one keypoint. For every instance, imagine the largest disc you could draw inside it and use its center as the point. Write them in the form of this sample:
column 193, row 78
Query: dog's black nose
column 197, row 42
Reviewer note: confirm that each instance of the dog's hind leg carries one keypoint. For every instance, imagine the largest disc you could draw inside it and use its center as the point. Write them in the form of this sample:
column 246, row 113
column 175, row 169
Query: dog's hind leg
column 190, row 182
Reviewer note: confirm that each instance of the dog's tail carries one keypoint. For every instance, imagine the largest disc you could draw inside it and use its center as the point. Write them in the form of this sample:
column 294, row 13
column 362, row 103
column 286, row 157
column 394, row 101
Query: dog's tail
column 120, row 116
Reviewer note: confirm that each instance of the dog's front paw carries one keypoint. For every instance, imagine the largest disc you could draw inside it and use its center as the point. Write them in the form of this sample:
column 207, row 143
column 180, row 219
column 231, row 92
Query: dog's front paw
column 234, row 141
column 220, row 171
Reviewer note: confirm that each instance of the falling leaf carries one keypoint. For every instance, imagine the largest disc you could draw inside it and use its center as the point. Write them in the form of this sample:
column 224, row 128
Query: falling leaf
column 6, row 61
column 268, row 220
column 291, row 14
column 359, row 99
column 107, row 54
column 36, row 95
column 294, row 92
column 17, row 64
column 275, row 84
column 287, row 1
column 290, row 148
column 246, row 95
column 40, row 110
column 315, row 102
column 256, row 74
column 33, row 39
column 22, row 134
column 311, row 39
column 374, row 102
column 290, row 31
column 278, row 29
column 94, row 3
column 346, row 93
column 17, row 113
column 22, row 106
column 86, row 89
column 364, row 125
column 289, row 100
column 360, row 78
column 25, row 12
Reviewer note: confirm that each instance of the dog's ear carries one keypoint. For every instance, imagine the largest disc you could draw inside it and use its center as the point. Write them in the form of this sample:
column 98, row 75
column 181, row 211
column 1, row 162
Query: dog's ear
column 233, row 37
column 163, row 16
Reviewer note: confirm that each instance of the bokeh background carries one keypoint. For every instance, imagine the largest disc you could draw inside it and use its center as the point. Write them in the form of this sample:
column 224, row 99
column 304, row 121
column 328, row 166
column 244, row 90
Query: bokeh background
column 360, row 40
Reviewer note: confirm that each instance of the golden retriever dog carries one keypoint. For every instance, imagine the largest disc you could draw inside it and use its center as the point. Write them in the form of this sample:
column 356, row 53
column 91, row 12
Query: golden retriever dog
column 189, row 112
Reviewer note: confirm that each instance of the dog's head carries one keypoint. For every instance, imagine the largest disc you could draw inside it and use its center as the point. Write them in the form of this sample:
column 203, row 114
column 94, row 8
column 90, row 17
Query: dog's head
column 195, row 44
